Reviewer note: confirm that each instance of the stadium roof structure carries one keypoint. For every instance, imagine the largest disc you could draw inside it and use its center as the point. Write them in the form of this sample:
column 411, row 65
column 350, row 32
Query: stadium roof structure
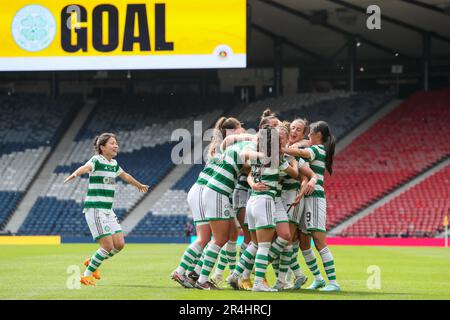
column 317, row 30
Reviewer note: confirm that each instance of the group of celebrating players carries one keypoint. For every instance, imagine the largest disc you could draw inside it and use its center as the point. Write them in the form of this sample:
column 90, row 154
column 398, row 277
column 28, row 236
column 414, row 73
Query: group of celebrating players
column 271, row 185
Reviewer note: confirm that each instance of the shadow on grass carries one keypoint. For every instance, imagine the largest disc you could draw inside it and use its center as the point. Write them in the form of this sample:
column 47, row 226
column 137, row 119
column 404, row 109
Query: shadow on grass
column 355, row 294
column 138, row 286
column 347, row 293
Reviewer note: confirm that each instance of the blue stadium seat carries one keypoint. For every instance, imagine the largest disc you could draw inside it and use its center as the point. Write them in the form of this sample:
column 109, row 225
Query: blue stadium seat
column 30, row 126
column 143, row 125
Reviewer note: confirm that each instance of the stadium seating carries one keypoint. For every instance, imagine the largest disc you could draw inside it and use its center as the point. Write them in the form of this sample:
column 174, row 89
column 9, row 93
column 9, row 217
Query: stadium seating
column 401, row 145
column 342, row 113
column 143, row 126
column 379, row 160
column 186, row 181
column 161, row 226
column 419, row 211
column 287, row 103
column 343, row 110
column 31, row 121
column 8, row 202
column 169, row 209
column 30, row 126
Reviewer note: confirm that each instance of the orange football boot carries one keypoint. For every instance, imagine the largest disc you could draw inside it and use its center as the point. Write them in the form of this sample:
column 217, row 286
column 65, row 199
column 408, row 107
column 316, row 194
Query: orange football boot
column 96, row 273
column 87, row 280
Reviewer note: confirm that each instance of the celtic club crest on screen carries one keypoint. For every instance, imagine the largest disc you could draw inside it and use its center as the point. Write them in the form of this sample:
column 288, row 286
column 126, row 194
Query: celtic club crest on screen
column 34, row 28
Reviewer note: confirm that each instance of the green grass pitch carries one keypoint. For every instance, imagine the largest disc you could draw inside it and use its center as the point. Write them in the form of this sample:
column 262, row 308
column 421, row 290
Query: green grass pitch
column 142, row 271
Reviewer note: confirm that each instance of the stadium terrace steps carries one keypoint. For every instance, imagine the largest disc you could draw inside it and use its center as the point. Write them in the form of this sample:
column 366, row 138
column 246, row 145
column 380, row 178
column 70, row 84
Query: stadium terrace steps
column 394, row 195
column 44, row 175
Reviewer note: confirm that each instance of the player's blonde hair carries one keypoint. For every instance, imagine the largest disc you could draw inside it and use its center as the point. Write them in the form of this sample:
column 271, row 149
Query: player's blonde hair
column 285, row 126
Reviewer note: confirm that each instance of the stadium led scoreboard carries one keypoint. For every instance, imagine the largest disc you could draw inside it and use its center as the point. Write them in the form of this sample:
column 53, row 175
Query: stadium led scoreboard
column 122, row 34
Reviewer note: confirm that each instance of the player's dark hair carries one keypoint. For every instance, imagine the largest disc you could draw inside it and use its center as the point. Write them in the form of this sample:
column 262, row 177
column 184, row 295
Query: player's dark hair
column 102, row 140
column 220, row 131
column 328, row 140
column 266, row 116
column 267, row 113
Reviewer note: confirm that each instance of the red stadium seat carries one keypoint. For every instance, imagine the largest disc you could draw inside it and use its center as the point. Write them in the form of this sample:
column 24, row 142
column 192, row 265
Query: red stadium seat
column 395, row 149
column 419, row 210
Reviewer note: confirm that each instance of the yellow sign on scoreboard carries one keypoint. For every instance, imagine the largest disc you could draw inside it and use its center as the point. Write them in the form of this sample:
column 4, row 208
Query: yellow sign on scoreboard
column 122, row 34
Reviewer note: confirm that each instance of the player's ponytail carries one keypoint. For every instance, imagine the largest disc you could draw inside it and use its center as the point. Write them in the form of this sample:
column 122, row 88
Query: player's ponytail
column 215, row 137
column 329, row 142
column 266, row 116
column 101, row 140
column 330, row 146
column 220, row 132
column 267, row 113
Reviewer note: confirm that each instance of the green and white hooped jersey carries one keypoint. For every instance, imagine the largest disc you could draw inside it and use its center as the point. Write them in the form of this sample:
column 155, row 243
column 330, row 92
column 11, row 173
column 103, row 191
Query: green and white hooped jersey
column 270, row 177
column 317, row 164
column 102, row 183
column 227, row 168
column 287, row 183
column 208, row 170
column 242, row 183
column 245, row 145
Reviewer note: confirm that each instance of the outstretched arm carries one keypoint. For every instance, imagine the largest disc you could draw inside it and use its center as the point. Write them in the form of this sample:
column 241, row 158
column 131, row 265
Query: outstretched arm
column 79, row 172
column 129, row 179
